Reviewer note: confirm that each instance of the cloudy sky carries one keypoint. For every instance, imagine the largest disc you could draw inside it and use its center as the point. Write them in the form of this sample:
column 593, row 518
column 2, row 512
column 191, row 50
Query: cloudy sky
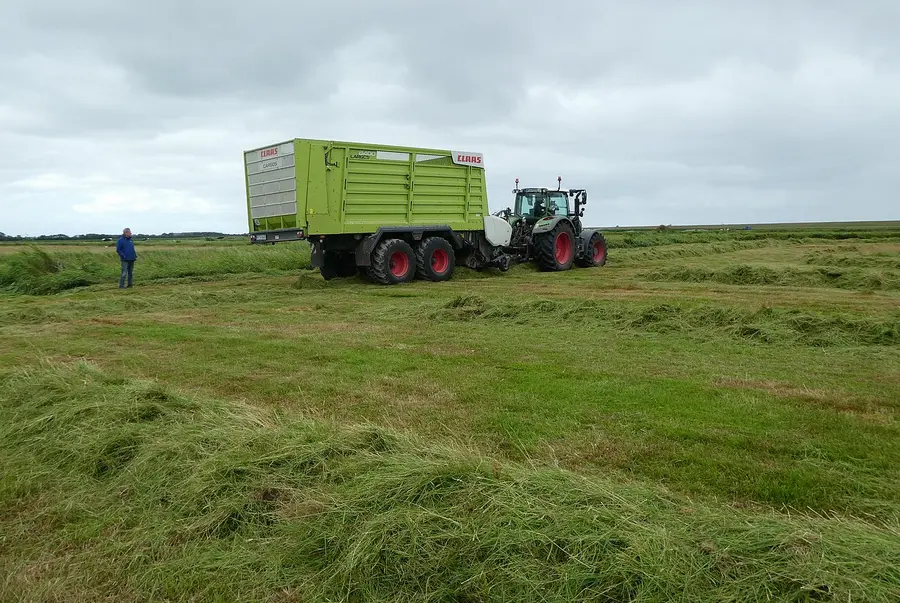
column 126, row 112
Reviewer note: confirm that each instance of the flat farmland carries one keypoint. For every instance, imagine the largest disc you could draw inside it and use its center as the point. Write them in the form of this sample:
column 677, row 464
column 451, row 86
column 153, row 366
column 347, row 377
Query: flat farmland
column 712, row 416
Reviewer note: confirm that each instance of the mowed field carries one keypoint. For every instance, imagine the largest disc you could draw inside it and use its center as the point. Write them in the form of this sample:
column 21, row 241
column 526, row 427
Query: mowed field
column 713, row 416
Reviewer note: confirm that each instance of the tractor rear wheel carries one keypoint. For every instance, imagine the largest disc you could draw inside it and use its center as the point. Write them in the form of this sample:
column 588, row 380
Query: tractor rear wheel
column 555, row 250
column 595, row 253
column 435, row 259
column 393, row 262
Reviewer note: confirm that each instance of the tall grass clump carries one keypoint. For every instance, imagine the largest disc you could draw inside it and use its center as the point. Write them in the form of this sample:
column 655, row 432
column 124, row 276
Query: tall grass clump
column 649, row 238
column 114, row 489
column 859, row 279
column 830, row 258
column 703, row 321
column 212, row 262
column 639, row 256
column 35, row 271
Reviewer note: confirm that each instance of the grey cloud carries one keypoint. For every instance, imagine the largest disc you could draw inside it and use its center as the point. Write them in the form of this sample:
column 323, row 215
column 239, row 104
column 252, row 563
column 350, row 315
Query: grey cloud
column 668, row 112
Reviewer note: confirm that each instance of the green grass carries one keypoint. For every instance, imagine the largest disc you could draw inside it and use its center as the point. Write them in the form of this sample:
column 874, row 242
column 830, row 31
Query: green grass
column 211, row 499
column 37, row 271
column 237, row 428
column 883, row 260
column 851, row 226
column 704, row 322
column 862, row 279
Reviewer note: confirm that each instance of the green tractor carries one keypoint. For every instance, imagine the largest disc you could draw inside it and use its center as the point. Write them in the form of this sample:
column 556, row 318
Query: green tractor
column 547, row 229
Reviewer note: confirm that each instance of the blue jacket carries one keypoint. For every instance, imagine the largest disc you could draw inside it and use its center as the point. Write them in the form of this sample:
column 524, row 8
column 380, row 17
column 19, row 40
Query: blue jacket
column 125, row 249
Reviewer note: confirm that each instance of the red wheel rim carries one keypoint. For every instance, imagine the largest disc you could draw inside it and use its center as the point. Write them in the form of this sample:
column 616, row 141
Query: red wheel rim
column 563, row 248
column 399, row 264
column 599, row 251
column 440, row 261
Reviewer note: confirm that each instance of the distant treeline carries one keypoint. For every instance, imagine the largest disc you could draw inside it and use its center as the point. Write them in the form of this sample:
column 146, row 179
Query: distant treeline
column 93, row 236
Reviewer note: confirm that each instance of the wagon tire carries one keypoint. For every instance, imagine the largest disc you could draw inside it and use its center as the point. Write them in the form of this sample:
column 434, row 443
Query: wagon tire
column 393, row 262
column 435, row 259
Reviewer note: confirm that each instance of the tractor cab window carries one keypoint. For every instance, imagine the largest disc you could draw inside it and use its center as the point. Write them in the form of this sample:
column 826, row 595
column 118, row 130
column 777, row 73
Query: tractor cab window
column 559, row 204
column 530, row 205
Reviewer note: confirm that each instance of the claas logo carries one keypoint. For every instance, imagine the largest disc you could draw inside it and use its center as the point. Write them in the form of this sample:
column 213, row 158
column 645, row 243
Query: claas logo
column 468, row 158
column 268, row 153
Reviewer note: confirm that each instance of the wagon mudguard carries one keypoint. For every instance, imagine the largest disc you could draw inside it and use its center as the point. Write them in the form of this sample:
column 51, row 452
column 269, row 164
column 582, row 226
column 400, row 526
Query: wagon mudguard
column 411, row 233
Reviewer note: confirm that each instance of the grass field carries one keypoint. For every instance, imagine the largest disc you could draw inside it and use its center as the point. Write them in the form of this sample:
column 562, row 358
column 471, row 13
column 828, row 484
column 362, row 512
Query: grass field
column 713, row 416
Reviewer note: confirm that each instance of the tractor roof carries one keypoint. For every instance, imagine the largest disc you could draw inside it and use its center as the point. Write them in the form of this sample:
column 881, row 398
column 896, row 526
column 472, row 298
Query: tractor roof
column 541, row 190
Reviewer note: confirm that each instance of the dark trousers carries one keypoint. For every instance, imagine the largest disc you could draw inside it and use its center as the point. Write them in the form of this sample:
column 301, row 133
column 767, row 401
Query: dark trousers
column 127, row 271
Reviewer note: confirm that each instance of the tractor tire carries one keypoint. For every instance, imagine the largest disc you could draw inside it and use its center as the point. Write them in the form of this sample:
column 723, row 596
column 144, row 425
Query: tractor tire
column 393, row 262
column 435, row 259
column 555, row 250
column 595, row 254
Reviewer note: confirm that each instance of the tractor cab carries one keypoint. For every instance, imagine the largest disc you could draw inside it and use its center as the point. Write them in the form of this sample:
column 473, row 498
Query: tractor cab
column 532, row 204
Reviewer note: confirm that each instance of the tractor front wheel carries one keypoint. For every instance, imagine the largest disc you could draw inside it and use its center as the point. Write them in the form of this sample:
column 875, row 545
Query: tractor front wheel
column 594, row 253
column 555, row 250
column 393, row 262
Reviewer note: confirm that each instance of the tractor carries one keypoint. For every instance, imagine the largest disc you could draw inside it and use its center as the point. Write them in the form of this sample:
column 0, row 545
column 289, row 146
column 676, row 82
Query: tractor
column 547, row 229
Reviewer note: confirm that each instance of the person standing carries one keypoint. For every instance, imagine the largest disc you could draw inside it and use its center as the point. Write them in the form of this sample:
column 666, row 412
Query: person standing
column 125, row 249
